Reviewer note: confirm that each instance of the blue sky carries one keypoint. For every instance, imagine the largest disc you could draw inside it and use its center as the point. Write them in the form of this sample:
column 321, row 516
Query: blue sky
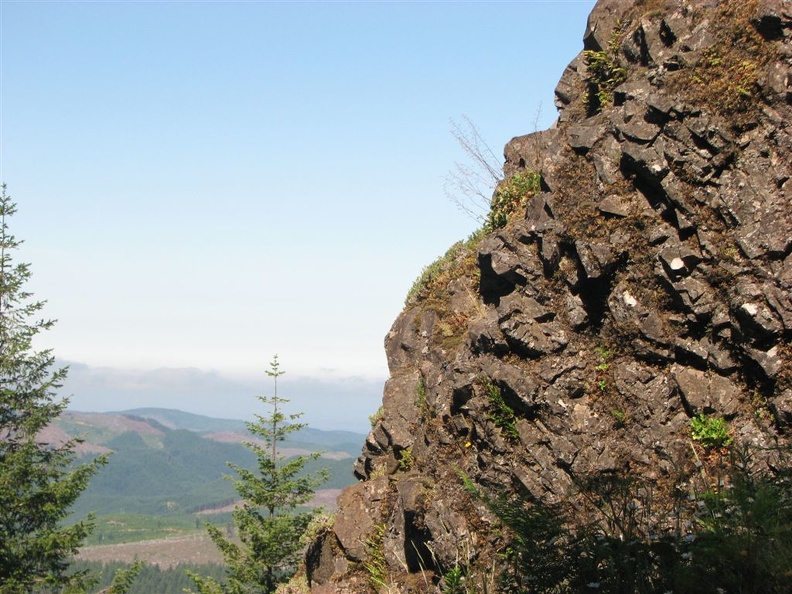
column 204, row 184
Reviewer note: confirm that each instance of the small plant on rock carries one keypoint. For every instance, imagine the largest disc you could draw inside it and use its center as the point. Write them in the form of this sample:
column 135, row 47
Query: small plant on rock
column 376, row 566
column 376, row 417
column 511, row 195
column 420, row 393
column 454, row 581
column 710, row 432
column 501, row 413
column 604, row 72
column 602, row 368
column 406, row 459
column 458, row 262
column 620, row 417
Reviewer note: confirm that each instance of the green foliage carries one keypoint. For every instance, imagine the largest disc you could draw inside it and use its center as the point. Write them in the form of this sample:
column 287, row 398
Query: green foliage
column 376, row 417
column 500, row 413
column 620, row 417
column 121, row 528
column 605, row 355
column 149, row 579
column 181, row 476
column 125, row 578
column 406, row 459
column 602, row 368
column 420, row 393
column 181, row 473
column 375, row 565
column 38, row 481
column 744, row 543
column 533, row 555
column 510, row 196
column 268, row 523
column 605, row 75
column 711, row 432
column 320, row 524
column 454, row 581
column 604, row 72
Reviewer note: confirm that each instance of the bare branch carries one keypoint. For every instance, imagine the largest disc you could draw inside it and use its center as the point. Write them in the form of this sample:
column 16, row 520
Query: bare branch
column 470, row 186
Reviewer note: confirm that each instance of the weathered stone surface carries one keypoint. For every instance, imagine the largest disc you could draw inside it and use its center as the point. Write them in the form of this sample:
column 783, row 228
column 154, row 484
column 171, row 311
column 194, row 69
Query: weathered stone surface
column 650, row 280
column 584, row 136
column 356, row 516
column 706, row 393
column 595, row 258
column 530, row 328
column 614, row 205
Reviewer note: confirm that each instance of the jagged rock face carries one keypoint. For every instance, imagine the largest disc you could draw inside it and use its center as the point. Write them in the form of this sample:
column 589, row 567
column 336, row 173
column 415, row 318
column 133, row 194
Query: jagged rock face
column 648, row 282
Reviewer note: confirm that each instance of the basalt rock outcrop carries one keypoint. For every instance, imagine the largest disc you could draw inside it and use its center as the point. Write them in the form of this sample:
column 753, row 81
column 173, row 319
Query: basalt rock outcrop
column 646, row 282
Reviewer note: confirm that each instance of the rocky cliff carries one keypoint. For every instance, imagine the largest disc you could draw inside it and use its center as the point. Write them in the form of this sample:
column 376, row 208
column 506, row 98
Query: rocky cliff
column 642, row 281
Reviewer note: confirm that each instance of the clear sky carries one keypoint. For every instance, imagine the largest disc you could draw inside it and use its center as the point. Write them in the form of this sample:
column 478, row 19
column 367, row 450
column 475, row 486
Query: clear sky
column 204, row 184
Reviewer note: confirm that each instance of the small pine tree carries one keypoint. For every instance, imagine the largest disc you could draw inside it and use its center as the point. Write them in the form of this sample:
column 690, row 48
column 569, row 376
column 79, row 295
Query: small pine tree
column 38, row 480
column 268, row 524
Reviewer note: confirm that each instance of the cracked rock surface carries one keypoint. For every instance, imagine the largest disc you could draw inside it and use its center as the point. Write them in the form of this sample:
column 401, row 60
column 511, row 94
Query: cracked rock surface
column 649, row 281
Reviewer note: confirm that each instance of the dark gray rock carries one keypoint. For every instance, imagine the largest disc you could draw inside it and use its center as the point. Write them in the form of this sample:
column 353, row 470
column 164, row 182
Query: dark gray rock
column 706, row 393
column 649, row 281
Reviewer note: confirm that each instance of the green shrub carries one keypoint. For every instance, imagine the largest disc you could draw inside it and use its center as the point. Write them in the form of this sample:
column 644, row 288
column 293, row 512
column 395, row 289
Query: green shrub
column 454, row 581
column 604, row 72
column 711, row 432
column 604, row 75
column 620, row 417
column 406, row 459
column 510, row 195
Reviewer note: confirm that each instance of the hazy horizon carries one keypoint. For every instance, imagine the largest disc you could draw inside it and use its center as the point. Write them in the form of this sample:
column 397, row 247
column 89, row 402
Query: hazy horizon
column 328, row 403
column 201, row 185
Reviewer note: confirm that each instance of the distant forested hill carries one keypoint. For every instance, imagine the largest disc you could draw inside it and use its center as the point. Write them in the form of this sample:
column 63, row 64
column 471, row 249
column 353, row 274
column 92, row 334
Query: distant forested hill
column 170, row 462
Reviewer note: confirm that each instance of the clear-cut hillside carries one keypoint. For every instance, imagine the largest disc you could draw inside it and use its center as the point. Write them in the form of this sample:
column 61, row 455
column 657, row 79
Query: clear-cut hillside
column 644, row 282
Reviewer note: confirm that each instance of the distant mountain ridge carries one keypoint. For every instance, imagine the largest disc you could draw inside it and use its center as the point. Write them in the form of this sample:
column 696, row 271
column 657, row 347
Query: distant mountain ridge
column 177, row 419
column 165, row 461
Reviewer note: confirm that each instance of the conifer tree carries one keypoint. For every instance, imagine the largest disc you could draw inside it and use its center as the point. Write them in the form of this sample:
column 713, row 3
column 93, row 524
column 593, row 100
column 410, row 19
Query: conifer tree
column 38, row 481
column 267, row 522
